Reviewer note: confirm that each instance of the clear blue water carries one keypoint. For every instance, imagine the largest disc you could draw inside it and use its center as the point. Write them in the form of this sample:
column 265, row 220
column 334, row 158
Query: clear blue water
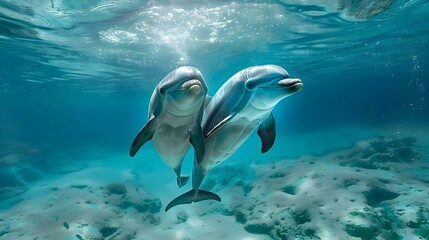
column 75, row 83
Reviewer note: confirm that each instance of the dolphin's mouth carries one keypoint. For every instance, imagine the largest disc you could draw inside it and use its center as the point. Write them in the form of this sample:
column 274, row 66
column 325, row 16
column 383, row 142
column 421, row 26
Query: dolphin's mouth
column 290, row 82
column 189, row 84
column 293, row 84
column 187, row 91
column 184, row 87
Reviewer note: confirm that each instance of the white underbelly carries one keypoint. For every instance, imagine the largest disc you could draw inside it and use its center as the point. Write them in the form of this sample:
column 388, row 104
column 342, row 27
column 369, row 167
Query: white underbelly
column 171, row 143
column 171, row 138
column 224, row 142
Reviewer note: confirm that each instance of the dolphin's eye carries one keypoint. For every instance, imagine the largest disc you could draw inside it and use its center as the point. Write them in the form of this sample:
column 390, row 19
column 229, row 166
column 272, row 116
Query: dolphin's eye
column 251, row 85
column 162, row 91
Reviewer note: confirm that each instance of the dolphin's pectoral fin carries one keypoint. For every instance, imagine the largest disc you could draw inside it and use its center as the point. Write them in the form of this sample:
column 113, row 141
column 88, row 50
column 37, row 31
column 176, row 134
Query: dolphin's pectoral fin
column 190, row 197
column 207, row 100
column 145, row 134
column 196, row 138
column 182, row 180
column 267, row 133
column 225, row 120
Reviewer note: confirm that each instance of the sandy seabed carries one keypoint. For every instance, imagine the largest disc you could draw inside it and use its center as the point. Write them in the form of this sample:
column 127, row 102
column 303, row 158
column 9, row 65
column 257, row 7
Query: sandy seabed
column 376, row 189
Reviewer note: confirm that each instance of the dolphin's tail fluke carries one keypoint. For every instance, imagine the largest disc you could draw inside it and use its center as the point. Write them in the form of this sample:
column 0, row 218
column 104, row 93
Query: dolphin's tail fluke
column 206, row 195
column 193, row 196
column 182, row 180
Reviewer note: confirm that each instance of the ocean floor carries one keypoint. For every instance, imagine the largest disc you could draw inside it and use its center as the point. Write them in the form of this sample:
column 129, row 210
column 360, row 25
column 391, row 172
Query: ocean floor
column 378, row 188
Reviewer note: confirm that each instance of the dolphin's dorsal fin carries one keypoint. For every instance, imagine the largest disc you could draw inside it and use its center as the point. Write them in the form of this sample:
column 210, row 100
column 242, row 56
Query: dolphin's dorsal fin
column 145, row 134
column 226, row 119
column 207, row 100
column 267, row 133
column 196, row 138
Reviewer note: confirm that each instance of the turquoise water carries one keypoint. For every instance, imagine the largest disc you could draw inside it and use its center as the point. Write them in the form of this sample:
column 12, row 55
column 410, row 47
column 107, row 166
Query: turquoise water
column 351, row 149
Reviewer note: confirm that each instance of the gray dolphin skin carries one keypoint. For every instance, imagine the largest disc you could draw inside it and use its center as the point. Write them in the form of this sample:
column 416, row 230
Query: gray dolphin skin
column 175, row 112
column 242, row 104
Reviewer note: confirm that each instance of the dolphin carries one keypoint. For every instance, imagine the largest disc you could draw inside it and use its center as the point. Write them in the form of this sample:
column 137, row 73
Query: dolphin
column 242, row 104
column 175, row 112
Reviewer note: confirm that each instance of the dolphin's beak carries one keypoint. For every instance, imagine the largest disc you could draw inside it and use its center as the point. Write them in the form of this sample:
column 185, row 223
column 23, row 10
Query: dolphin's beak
column 293, row 84
column 193, row 86
column 188, row 84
